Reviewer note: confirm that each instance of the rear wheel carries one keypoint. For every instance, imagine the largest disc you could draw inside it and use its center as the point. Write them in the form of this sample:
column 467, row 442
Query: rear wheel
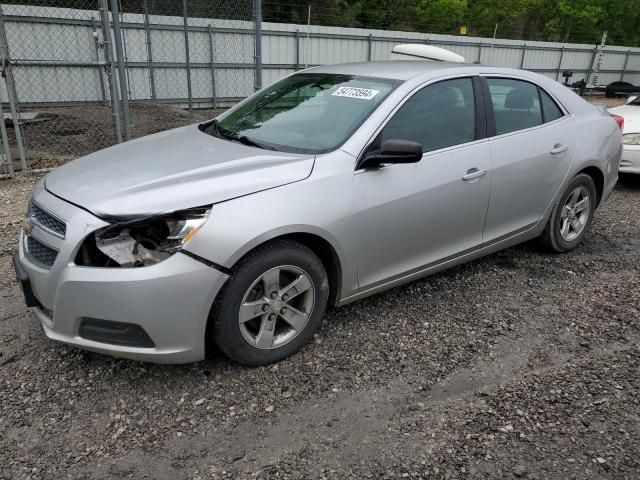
column 572, row 215
column 271, row 305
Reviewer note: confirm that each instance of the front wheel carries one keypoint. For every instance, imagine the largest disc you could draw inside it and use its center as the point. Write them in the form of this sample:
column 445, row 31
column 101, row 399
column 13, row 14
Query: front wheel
column 572, row 215
column 271, row 305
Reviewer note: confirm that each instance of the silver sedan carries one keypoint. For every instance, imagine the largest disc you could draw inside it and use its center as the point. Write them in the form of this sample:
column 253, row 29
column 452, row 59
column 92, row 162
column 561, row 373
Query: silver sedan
column 330, row 185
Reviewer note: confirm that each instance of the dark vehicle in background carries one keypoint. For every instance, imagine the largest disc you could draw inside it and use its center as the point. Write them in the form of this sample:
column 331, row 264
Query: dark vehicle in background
column 620, row 89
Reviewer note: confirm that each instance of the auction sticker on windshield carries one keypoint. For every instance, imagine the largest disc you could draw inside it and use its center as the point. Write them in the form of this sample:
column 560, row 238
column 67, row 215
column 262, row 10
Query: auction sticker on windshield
column 355, row 92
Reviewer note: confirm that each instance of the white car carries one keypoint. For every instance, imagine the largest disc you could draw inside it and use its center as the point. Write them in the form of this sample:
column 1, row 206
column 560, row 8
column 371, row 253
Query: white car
column 630, row 162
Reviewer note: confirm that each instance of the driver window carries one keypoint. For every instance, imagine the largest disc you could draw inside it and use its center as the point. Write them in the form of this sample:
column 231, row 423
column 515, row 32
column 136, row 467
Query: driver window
column 438, row 116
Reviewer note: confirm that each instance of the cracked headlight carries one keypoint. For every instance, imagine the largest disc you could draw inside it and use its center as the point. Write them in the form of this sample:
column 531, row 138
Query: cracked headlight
column 631, row 139
column 142, row 241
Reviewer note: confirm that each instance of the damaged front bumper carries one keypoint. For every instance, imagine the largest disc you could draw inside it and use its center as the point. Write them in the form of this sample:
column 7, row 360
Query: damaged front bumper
column 156, row 313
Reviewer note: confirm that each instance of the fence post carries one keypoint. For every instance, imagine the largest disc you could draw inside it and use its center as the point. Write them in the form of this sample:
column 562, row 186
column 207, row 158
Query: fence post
column 213, row 67
column 559, row 69
column 97, row 46
column 11, row 91
column 479, row 52
column 369, row 47
column 296, row 50
column 5, row 143
column 111, row 71
column 626, row 62
column 257, row 21
column 185, row 19
column 152, row 80
column 591, row 66
column 524, row 52
column 117, row 38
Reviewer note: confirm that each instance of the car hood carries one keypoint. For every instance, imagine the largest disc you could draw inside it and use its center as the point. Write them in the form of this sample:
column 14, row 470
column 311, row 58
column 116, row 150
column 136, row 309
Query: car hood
column 172, row 170
column 631, row 115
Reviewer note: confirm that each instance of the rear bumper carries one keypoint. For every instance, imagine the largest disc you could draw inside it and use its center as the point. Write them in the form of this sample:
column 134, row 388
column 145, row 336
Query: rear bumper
column 630, row 162
column 170, row 301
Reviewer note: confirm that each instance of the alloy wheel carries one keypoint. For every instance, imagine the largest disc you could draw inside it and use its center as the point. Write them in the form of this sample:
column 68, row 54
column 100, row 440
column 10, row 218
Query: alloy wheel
column 276, row 307
column 575, row 214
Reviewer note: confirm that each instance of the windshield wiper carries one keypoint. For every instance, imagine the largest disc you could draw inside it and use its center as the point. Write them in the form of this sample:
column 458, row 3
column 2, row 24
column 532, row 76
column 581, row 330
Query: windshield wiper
column 254, row 143
column 216, row 130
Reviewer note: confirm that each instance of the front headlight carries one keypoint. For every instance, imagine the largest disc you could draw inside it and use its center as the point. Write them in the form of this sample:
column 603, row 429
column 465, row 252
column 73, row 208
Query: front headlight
column 142, row 242
column 631, row 139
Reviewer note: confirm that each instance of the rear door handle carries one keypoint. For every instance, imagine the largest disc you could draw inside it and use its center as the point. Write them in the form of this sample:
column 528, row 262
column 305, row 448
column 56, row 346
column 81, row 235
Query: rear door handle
column 559, row 148
column 474, row 174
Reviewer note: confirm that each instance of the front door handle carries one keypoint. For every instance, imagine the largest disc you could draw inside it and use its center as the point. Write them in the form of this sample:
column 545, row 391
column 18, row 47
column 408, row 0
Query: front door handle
column 474, row 174
column 559, row 148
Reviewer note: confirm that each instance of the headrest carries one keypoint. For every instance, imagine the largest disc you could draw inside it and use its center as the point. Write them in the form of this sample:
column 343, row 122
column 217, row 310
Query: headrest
column 447, row 95
column 519, row 100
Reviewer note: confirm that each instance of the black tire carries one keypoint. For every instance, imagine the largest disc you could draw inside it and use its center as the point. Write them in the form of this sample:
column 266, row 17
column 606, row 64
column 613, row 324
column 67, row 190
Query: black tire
column 551, row 237
column 224, row 326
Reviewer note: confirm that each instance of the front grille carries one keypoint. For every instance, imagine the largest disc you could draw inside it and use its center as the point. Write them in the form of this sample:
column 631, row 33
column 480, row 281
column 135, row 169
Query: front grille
column 39, row 253
column 44, row 219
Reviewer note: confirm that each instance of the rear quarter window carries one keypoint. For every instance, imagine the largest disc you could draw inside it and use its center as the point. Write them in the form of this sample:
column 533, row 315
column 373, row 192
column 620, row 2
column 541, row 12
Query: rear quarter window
column 550, row 108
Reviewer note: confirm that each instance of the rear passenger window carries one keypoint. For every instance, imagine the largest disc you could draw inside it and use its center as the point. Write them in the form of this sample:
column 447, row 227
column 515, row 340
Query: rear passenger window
column 438, row 116
column 516, row 104
column 550, row 108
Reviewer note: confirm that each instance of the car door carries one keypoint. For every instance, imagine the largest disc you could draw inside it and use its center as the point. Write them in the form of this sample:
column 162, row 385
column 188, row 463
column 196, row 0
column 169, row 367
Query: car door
column 532, row 150
column 412, row 215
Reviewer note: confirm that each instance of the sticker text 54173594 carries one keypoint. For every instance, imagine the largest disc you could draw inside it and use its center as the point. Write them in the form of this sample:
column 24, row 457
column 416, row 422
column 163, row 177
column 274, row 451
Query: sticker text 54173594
column 355, row 92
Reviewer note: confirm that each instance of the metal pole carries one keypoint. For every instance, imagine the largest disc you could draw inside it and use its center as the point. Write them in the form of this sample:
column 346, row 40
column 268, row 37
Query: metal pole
column 111, row 70
column 186, row 53
column 213, row 67
column 96, row 44
column 257, row 20
column 122, row 76
column 296, row 50
column 559, row 69
column 369, row 47
column 479, row 52
column 11, row 92
column 495, row 32
column 306, row 45
column 524, row 52
column 626, row 62
column 5, row 143
column 591, row 67
column 152, row 79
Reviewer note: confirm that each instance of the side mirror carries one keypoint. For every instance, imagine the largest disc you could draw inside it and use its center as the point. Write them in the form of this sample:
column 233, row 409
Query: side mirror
column 393, row 151
column 632, row 98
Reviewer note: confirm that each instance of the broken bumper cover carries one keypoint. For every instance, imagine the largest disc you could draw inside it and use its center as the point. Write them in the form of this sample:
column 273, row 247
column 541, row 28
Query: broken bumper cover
column 169, row 301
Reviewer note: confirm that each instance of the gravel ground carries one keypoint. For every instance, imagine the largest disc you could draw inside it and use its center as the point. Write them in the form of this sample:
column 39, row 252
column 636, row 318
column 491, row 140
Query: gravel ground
column 523, row 364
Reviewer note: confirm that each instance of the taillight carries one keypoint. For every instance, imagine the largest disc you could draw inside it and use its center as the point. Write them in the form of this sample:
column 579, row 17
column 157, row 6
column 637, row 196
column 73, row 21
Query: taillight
column 619, row 120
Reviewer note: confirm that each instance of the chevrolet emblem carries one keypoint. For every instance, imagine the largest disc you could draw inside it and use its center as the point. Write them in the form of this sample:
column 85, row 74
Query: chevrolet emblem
column 26, row 225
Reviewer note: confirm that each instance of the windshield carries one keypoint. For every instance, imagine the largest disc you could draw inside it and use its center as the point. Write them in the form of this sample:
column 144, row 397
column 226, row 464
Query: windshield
column 307, row 112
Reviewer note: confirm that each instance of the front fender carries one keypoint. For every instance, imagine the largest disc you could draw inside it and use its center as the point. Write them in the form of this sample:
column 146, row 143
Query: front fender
column 321, row 206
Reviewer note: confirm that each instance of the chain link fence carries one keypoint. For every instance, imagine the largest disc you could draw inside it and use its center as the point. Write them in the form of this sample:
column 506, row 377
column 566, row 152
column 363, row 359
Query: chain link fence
column 54, row 72
column 81, row 75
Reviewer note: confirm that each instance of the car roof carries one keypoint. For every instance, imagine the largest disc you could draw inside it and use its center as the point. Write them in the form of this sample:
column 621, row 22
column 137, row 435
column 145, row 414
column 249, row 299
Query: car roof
column 394, row 69
column 424, row 70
